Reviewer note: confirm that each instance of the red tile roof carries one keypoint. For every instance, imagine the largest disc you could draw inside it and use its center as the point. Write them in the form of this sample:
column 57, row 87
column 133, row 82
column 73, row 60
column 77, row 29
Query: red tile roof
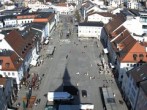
column 10, row 62
column 18, row 43
column 138, row 50
column 120, row 35
column 114, row 23
column 120, row 30
column 62, row 4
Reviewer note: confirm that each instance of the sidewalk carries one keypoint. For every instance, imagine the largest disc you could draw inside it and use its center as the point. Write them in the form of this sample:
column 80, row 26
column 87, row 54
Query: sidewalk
column 109, row 77
column 25, row 89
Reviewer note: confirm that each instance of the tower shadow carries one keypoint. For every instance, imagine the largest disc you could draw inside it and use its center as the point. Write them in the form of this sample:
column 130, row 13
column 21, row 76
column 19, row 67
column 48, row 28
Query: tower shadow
column 67, row 86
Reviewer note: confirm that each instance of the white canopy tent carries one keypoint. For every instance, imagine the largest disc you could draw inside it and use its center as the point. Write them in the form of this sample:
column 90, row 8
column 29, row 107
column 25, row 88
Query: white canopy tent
column 105, row 50
column 34, row 60
column 46, row 41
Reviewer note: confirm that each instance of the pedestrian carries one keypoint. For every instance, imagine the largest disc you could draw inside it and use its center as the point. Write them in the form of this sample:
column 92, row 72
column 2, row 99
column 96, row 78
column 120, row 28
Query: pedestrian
column 66, row 56
column 39, row 101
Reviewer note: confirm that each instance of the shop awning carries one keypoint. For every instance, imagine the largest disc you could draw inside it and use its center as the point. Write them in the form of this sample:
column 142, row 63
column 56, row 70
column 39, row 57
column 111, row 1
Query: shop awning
column 33, row 62
column 106, row 50
column 87, row 106
column 111, row 65
column 46, row 41
column 35, row 57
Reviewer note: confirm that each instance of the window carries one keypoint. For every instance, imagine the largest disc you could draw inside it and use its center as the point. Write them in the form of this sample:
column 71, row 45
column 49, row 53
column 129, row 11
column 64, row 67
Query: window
column 135, row 65
column 135, row 56
column 133, row 92
column 7, row 65
column 8, row 74
column 4, row 73
column 12, row 74
column 127, row 64
column 141, row 56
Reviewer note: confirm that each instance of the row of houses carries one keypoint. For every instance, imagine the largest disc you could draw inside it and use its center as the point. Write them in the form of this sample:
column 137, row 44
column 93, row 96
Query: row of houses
column 20, row 49
column 33, row 6
column 22, row 45
column 24, row 31
column 123, row 35
column 21, row 19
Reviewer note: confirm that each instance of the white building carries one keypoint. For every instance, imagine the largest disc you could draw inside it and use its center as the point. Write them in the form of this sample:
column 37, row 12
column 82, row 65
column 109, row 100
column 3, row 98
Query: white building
column 64, row 8
column 140, row 19
column 89, row 30
column 103, row 17
column 97, row 2
column 9, row 68
column 8, row 21
column 47, row 18
column 37, row 5
column 116, row 10
column 125, row 51
column 96, row 8
column 133, row 5
column 25, row 18
column 24, row 50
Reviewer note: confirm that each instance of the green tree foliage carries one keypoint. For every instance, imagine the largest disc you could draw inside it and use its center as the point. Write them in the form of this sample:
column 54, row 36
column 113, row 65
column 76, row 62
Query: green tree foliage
column 77, row 15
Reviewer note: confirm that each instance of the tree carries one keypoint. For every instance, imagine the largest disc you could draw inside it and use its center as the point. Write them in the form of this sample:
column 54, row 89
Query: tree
column 77, row 15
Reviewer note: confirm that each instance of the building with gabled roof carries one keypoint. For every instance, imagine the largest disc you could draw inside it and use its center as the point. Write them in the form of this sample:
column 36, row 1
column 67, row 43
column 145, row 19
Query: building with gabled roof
column 26, row 45
column 125, row 51
column 134, row 88
column 117, row 21
column 85, row 6
column 104, row 17
column 113, row 25
column 21, row 47
column 97, row 8
column 11, row 66
column 90, row 30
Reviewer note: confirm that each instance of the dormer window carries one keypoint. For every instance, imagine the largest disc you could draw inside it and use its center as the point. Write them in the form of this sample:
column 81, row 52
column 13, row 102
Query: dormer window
column 135, row 56
column 141, row 56
column 23, row 52
column 7, row 65
column 29, row 43
column 25, row 49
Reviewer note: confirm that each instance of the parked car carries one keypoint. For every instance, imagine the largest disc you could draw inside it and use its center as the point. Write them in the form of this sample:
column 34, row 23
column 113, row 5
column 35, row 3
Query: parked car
column 84, row 93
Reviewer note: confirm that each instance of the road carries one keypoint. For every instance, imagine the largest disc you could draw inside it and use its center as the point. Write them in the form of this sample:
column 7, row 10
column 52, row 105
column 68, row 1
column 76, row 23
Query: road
column 77, row 69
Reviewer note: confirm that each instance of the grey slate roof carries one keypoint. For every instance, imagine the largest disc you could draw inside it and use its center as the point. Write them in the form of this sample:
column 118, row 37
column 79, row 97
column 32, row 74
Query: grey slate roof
column 143, row 85
column 7, row 17
column 40, row 25
column 139, row 74
column 99, row 24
